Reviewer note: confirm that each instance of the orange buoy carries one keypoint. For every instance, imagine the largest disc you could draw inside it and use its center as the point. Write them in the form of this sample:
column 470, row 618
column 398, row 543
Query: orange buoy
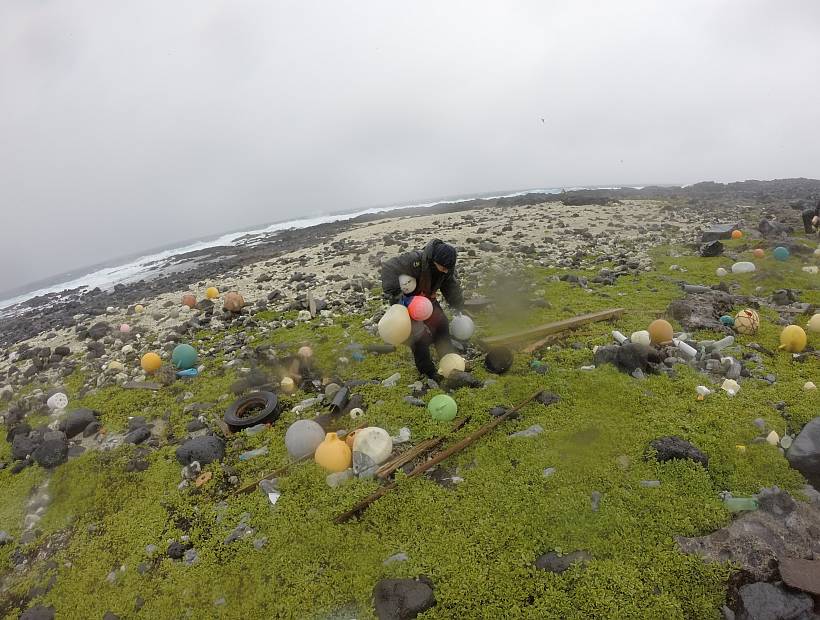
column 151, row 362
column 759, row 253
column 234, row 302
column 189, row 300
column 736, row 234
column 660, row 331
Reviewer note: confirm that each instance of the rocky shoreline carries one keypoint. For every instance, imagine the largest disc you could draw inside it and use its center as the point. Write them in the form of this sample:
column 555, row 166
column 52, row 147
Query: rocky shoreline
column 319, row 287
column 57, row 310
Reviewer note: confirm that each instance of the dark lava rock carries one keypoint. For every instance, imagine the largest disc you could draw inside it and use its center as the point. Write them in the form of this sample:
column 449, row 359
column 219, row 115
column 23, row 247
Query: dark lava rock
column 804, row 453
column 402, row 599
column 555, row 563
column 547, row 398
column 459, row 379
column 62, row 351
column 771, row 228
column 136, row 422
column 713, row 248
column 670, row 448
column 52, row 452
column 629, row 357
column 99, row 330
column 700, row 311
column 92, row 429
column 195, row 425
column 766, row 601
column 22, row 446
column 202, row 449
column 39, row 612
column 138, row 435
column 176, row 550
column 78, row 420
column 718, row 231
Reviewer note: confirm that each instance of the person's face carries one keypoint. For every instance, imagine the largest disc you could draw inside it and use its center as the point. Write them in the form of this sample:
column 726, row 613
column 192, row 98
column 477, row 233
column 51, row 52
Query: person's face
column 441, row 268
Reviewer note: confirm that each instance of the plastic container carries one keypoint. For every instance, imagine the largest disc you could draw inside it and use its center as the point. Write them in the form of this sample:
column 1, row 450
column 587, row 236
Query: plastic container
column 740, row 504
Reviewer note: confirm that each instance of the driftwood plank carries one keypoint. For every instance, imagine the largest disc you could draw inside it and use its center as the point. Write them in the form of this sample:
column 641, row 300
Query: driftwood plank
column 541, row 331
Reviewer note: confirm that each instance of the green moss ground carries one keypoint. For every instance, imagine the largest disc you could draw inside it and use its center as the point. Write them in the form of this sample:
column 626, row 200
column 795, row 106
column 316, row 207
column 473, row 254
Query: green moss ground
column 478, row 541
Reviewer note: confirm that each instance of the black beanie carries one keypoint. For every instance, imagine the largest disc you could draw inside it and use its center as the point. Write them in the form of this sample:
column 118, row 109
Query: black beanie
column 445, row 255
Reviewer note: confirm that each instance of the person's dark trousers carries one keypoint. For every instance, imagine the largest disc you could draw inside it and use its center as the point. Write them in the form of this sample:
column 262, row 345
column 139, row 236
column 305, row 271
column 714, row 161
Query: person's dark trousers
column 808, row 215
column 437, row 333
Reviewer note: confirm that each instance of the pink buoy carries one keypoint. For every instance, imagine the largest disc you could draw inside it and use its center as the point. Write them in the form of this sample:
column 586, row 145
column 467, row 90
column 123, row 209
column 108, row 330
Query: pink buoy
column 420, row 308
column 125, row 328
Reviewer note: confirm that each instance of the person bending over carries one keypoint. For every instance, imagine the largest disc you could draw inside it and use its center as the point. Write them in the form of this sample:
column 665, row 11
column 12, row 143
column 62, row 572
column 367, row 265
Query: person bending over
column 433, row 269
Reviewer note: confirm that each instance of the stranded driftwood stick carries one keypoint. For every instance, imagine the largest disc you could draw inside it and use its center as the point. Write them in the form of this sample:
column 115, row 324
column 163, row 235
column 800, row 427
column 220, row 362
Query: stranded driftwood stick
column 425, row 446
column 455, row 448
column 548, row 329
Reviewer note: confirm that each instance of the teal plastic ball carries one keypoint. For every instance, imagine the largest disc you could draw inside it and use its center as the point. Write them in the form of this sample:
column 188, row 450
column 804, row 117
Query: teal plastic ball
column 442, row 407
column 184, row 357
column 727, row 320
column 781, row 253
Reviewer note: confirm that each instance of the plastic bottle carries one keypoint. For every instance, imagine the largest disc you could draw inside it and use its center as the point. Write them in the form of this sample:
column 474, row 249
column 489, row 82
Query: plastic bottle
column 619, row 337
column 740, row 504
column 247, row 456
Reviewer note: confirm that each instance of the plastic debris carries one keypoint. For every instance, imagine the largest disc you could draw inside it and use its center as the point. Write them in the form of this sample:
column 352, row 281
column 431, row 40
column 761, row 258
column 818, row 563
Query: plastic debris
column 702, row 391
column 730, row 386
column 619, row 337
column 721, row 344
column 403, row 436
column 270, row 488
column 773, row 438
column 532, row 431
column 740, row 504
column 392, row 380
column 684, row 348
column 808, row 386
column 189, row 372
column 250, row 454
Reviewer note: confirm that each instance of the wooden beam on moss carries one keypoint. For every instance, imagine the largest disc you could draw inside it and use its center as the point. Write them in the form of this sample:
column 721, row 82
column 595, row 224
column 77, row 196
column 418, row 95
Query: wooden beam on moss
column 543, row 332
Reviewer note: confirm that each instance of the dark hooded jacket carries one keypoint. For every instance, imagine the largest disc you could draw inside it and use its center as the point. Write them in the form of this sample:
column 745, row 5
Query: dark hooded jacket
column 428, row 278
column 808, row 216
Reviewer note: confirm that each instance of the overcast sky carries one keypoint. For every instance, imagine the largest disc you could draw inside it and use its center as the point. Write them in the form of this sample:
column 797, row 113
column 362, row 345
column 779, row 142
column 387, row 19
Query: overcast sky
column 129, row 125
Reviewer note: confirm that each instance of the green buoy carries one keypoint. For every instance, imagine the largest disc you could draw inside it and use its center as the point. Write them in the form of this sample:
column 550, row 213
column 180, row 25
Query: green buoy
column 442, row 407
column 184, row 357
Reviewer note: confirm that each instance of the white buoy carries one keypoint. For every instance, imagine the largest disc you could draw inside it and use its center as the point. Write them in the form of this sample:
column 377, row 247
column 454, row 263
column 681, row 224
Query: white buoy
column 462, row 327
column 743, row 267
column 641, row 337
column 57, row 401
column 375, row 442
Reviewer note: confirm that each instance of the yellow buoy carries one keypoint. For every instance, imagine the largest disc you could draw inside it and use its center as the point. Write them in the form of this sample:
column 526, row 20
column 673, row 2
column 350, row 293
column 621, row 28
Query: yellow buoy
column 660, row 331
column 212, row 292
column 793, row 339
column 151, row 362
column 139, row 308
column 288, row 385
column 333, row 454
